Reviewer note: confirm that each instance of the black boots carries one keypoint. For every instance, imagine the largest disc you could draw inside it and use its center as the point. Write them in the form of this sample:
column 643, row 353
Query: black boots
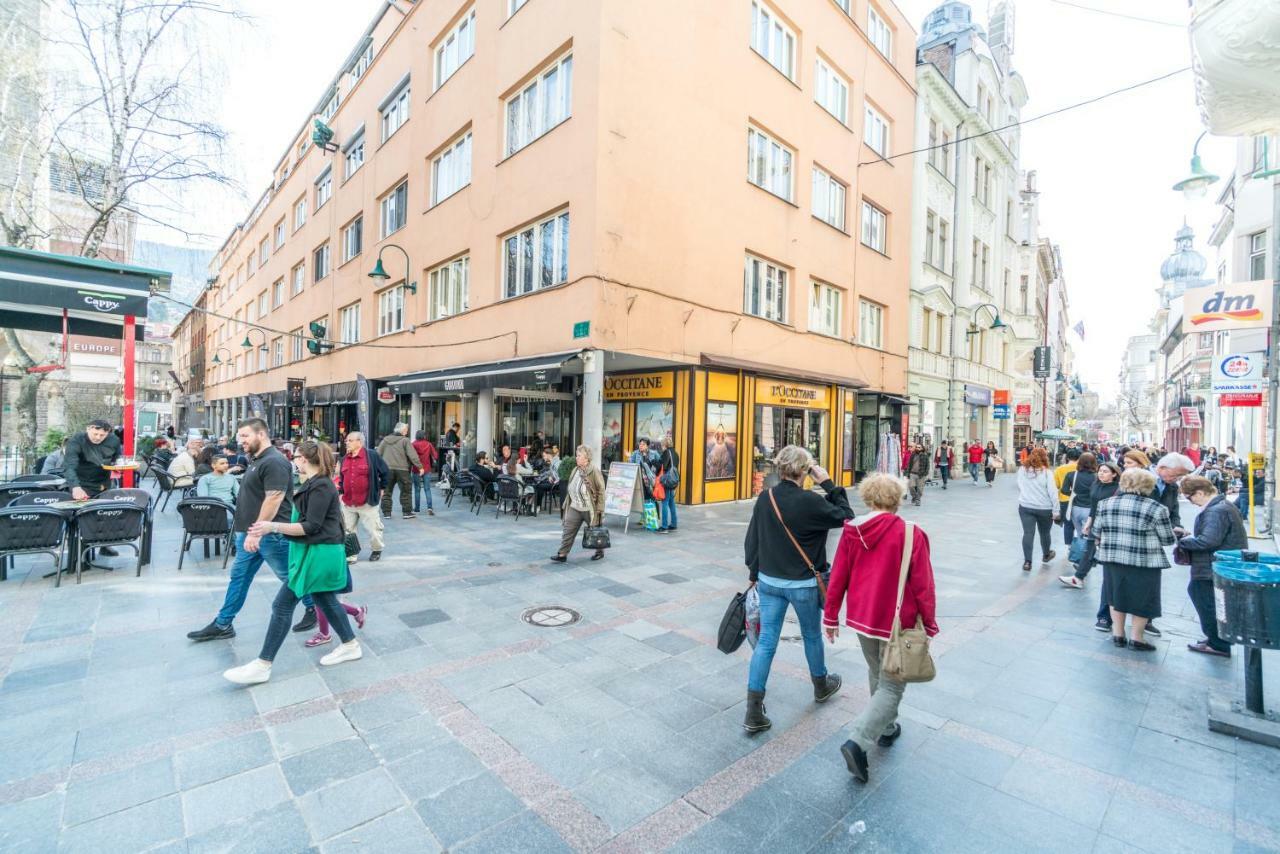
column 825, row 686
column 855, row 759
column 755, row 720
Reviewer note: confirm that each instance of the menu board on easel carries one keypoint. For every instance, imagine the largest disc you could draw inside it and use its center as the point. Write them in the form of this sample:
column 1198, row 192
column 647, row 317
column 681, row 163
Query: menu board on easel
column 620, row 490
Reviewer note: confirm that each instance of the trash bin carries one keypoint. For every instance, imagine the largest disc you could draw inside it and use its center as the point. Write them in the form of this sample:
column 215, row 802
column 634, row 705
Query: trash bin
column 1246, row 599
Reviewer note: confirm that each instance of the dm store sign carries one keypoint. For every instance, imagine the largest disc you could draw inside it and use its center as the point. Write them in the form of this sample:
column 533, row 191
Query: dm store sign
column 1238, row 373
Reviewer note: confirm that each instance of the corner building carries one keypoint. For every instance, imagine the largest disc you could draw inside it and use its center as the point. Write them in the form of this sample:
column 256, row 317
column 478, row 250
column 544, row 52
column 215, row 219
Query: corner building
column 622, row 220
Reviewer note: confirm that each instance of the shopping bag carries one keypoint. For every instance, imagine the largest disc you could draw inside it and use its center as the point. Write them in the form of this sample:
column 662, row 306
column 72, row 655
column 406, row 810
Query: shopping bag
column 651, row 516
column 753, row 616
column 733, row 625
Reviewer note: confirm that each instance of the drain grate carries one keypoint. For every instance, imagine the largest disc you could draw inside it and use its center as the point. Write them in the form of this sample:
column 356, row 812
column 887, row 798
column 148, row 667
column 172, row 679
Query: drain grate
column 550, row 616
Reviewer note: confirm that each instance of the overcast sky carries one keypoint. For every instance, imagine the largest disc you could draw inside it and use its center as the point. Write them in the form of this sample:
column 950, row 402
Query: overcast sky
column 1105, row 170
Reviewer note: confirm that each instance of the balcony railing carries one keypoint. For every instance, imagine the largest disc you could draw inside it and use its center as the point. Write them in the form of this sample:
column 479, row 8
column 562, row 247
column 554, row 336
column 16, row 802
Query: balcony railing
column 926, row 362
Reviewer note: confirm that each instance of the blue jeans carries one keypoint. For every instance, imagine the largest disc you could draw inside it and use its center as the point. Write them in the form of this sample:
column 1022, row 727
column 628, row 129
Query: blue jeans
column 421, row 483
column 274, row 549
column 973, row 471
column 668, row 508
column 773, row 607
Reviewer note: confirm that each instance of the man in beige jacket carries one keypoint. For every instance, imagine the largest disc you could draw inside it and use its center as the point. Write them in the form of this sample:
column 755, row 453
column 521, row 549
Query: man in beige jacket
column 399, row 454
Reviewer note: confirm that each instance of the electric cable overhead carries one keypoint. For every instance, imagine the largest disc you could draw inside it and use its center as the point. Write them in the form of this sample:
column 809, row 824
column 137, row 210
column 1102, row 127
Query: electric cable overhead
column 1118, row 14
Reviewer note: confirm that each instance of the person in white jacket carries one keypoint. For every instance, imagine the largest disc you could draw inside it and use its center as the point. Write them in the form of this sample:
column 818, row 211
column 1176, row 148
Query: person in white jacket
column 1037, row 504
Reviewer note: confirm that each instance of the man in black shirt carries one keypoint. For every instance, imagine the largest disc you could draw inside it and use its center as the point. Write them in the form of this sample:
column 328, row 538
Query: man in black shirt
column 266, row 490
column 85, row 457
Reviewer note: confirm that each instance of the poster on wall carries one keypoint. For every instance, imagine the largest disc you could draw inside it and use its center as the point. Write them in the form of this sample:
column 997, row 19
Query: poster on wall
column 611, row 440
column 722, row 440
column 653, row 420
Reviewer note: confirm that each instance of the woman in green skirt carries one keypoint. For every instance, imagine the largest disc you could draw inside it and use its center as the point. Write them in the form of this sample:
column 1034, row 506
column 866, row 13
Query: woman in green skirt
column 317, row 564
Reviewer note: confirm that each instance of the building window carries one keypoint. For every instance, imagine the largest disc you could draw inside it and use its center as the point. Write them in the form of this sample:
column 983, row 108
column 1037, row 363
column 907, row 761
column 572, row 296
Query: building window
column 395, row 110
column 874, row 224
column 457, row 48
column 295, row 345
column 844, row 6
column 828, row 199
column 277, row 352
column 513, row 6
column 773, row 39
column 324, row 187
column 879, row 32
column 870, row 324
column 1259, row 154
column 831, row 91
column 876, row 132
column 448, row 286
column 300, row 213
column 824, row 309
column 391, row 310
column 1024, row 288
column 982, row 181
column 263, row 355
column 541, row 105
column 394, row 208
column 264, row 304
column 264, row 251
column 930, row 237
column 354, row 156
column 299, row 279
column 277, row 293
column 537, row 256
column 303, row 145
column 933, row 333
column 330, row 106
column 251, row 263
column 985, row 280
column 353, row 239
column 451, row 171
column 944, row 241
column 1258, row 256
column 320, row 263
column 769, row 164
column 349, row 324
column 362, row 64
column 280, row 234
column 765, row 290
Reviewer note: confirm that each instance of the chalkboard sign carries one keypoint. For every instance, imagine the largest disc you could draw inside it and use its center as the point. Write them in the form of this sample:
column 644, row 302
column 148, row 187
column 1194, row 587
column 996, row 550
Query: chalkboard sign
column 620, row 489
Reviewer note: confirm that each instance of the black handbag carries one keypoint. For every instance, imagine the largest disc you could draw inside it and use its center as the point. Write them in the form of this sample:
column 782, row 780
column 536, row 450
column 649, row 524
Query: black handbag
column 733, row 625
column 595, row 537
column 351, row 543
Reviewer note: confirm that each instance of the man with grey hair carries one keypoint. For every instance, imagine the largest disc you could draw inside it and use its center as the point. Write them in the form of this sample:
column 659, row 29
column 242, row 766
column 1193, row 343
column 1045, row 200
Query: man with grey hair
column 362, row 475
column 402, row 458
column 1168, row 470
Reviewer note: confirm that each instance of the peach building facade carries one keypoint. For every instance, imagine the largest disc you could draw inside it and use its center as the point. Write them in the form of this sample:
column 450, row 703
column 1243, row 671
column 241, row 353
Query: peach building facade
column 622, row 220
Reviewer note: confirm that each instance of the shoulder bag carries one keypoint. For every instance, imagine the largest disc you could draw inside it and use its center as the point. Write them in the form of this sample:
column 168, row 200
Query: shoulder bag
column 822, row 582
column 905, row 656
column 733, row 625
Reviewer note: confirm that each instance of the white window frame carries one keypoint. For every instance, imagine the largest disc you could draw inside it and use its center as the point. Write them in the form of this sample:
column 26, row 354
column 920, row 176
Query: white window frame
column 449, row 288
column 264, row 304
column 870, row 324
column 772, row 39
column 536, row 256
column 764, row 289
column 321, row 262
column 324, row 187
column 349, row 324
column 394, row 111
column 362, row 64
column 876, row 131
column 875, row 227
column 300, row 213
column 353, row 238
column 391, row 310
column 331, row 106
column 879, row 32
column 264, row 251
column 826, row 304
column 277, row 293
column 353, row 157
column 297, row 279
column 280, row 234
column 277, row 352
column 514, row 6
column 457, row 46
column 830, row 198
column 393, row 210
column 844, row 6
column 831, row 91
column 541, row 105
column 770, row 164
column 297, row 346
column 451, row 169
column 1258, row 255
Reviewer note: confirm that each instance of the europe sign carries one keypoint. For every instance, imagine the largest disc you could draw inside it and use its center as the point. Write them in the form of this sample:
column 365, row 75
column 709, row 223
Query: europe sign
column 1244, row 305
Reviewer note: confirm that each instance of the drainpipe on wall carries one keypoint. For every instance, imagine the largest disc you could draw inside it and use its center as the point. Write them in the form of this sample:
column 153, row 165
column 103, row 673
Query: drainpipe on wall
column 955, row 260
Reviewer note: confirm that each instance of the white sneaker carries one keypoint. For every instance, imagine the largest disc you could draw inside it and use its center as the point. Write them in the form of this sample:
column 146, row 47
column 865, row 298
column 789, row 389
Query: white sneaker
column 1071, row 581
column 253, row 673
column 345, row 652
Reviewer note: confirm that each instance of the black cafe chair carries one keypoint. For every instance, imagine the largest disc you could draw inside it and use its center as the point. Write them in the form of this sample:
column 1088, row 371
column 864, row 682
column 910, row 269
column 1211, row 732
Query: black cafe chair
column 38, row 499
column 27, row 478
column 459, row 482
column 114, row 523
column 510, row 496
column 167, row 486
column 145, row 500
column 31, row 530
column 206, row 519
column 10, row 491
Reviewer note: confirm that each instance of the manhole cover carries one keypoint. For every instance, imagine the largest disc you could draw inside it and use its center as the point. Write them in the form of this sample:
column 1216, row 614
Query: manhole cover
column 551, row 616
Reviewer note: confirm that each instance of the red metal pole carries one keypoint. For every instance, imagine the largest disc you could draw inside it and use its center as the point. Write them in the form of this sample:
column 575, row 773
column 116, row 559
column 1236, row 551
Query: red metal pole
column 128, row 394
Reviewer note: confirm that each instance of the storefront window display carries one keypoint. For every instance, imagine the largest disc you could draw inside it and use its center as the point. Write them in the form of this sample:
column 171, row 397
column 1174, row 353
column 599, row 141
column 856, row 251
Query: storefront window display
column 721, row 441
column 611, row 449
column 787, row 414
column 654, row 420
column 520, row 419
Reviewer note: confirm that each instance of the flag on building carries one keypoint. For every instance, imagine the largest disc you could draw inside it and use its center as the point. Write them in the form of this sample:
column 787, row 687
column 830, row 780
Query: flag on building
column 1079, row 328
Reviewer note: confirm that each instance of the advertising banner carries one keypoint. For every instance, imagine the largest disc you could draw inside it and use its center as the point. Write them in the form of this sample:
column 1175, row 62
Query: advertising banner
column 1043, row 362
column 1240, row 399
column 1001, row 411
column 365, row 406
column 1190, row 416
column 1245, row 305
column 1238, row 372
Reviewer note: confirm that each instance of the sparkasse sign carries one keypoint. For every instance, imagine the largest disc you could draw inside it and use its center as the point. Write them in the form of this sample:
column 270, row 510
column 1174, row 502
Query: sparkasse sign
column 1238, row 373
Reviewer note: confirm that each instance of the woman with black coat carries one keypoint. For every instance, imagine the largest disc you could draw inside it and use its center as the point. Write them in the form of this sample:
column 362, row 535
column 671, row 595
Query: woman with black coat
column 1218, row 527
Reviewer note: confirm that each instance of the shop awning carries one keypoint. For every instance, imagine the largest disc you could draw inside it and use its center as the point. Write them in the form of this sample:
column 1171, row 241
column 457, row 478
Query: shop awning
column 35, row 288
column 893, row 398
column 712, row 361
column 511, row 372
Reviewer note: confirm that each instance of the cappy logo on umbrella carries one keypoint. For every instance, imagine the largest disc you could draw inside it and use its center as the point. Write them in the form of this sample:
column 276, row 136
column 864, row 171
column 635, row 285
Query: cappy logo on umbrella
column 1222, row 307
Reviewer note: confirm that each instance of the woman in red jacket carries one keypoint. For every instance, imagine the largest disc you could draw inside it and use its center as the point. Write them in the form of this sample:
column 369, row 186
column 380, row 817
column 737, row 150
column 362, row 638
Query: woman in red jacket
column 867, row 566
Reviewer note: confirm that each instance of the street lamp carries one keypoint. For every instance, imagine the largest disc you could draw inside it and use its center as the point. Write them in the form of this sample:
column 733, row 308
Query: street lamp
column 997, row 323
column 1195, row 185
column 381, row 276
column 247, row 344
column 215, row 360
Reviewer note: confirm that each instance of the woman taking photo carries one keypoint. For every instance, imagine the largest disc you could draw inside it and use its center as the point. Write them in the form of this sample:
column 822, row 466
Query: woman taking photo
column 1037, row 504
column 868, row 566
column 786, row 551
column 584, row 504
column 1218, row 526
column 1133, row 530
column 317, row 565
column 991, row 462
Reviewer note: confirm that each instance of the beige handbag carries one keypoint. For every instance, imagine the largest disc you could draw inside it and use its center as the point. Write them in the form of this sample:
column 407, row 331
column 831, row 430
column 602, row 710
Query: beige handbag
column 905, row 657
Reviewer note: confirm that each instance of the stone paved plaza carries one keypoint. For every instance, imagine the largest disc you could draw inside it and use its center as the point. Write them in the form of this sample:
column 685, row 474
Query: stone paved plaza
column 465, row 729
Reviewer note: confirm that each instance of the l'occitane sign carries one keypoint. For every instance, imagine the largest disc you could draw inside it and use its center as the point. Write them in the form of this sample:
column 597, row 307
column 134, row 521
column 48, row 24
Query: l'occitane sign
column 783, row 393
column 658, row 386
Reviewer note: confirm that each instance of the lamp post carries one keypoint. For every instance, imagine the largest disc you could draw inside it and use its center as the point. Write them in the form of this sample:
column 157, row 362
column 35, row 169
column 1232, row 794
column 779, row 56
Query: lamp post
column 380, row 275
column 216, row 361
column 248, row 344
column 1195, row 185
column 997, row 323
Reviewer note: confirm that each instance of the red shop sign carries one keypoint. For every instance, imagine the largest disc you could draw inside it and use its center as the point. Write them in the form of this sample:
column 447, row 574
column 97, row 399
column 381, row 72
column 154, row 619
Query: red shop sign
column 1240, row 399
